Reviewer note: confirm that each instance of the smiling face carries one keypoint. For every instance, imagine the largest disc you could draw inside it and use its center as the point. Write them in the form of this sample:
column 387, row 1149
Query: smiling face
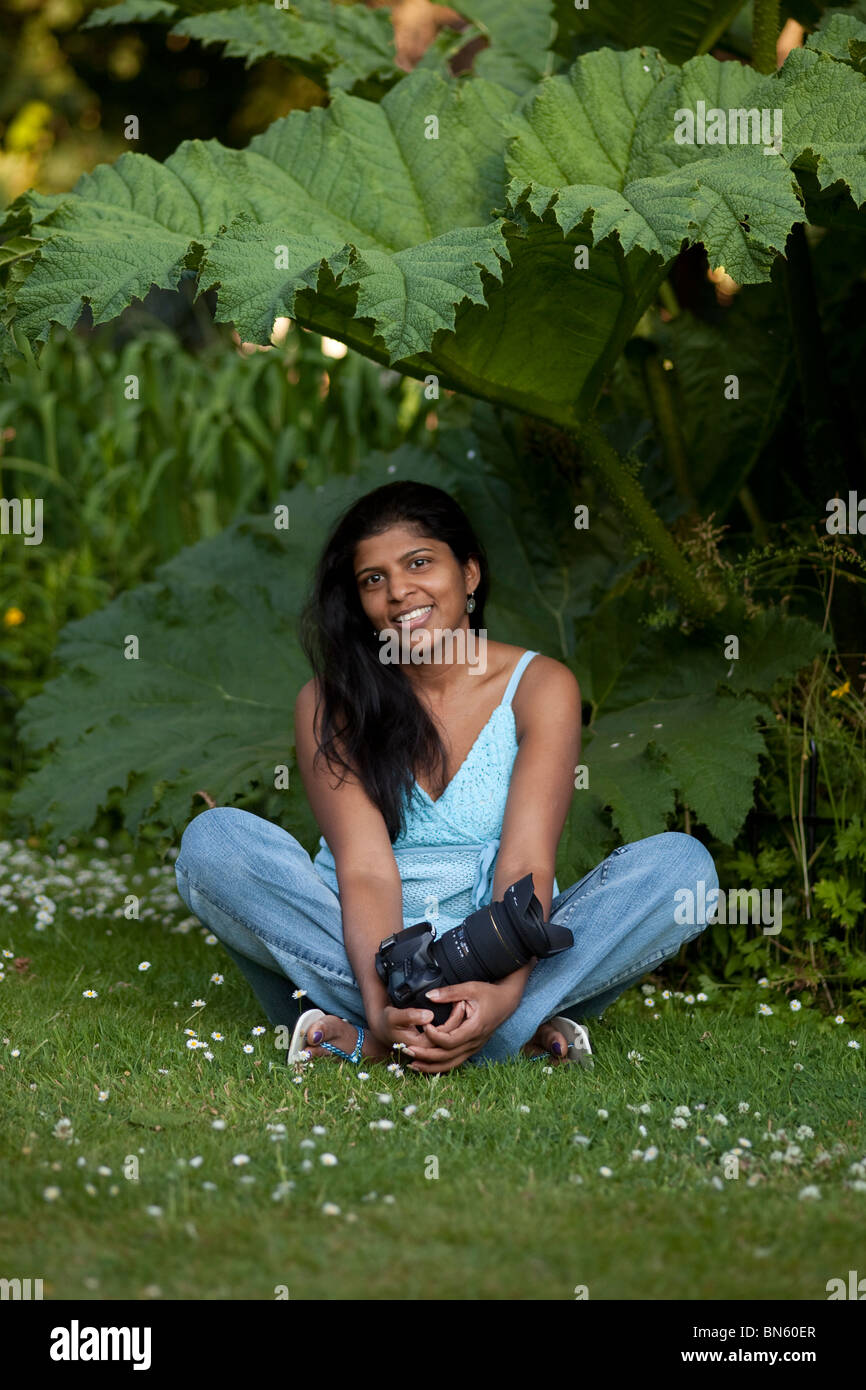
column 411, row 583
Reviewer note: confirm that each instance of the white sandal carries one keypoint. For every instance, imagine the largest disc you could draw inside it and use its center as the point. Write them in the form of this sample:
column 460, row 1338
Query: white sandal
column 299, row 1037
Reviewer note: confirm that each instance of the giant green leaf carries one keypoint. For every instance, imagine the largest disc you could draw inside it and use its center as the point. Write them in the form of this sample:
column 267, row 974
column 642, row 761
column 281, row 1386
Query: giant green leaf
column 678, row 28
column 341, row 46
column 600, row 144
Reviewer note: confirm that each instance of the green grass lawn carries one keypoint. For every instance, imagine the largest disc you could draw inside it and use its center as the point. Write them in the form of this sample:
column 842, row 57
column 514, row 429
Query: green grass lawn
column 140, row 1196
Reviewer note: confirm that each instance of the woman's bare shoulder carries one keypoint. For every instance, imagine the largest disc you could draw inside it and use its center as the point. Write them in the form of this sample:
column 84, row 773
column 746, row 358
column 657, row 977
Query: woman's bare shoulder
column 546, row 682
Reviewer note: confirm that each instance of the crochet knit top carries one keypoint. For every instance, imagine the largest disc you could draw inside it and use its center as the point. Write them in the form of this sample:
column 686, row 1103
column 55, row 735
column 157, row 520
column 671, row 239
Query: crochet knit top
column 446, row 851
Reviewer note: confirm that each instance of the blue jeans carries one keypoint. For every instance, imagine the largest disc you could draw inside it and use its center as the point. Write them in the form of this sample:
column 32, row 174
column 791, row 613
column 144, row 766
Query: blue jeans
column 256, row 887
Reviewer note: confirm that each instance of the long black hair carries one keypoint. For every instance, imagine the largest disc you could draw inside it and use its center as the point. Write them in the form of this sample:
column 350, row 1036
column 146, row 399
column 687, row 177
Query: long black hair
column 371, row 723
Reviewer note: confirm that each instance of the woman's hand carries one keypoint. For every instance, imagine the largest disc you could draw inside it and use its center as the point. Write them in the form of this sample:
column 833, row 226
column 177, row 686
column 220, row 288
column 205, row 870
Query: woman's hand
column 405, row 1026
column 485, row 1006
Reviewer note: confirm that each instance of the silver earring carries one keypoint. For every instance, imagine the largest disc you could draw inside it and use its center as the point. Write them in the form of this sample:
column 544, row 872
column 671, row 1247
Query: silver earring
column 470, row 604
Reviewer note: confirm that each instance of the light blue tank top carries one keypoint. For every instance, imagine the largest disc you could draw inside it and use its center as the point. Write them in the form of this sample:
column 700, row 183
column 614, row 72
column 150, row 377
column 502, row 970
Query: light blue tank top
column 446, row 852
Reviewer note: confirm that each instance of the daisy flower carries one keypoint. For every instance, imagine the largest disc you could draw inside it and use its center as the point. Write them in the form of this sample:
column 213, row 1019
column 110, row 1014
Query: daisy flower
column 258, row 1030
column 330, row 1209
column 764, row 1009
column 701, row 998
column 606, row 1172
column 51, row 1193
column 217, row 979
column 89, row 994
column 198, row 1003
column 217, row 1124
column 298, row 993
column 763, row 983
column 840, row 1018
column 218, row 1037
column 240, row 1159
column 248, row 1047
column 329, row 1160
column 851, row 1043
column 795, row 1005
column 144, row 965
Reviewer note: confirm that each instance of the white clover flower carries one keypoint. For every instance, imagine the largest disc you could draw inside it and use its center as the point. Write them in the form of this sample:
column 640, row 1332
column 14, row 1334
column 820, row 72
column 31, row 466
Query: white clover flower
column 282, row 1190
column 720, row 1119
column 718, row 1184
column 703, row 1141
column 682, row 1110
column 580, row 1139
column 646, row 989
column 635, row 1155
column 642, row 1131
column 805, row 1132
column 635, row 1057
column 792, row 1042
column 317, row 1129
column 764, row 1009
column 409, row 1109
column 240, row 1159
column 307, row 1165
column 196, row 1161
column 443, row 1114
column 144, row 965
column 524, row 1109
column 383, row 1097
column 645, row 1108
column 602, row 1114
column 678, row 1122
column 795, row 1005
column 810, row 1192
column 383, row 1124
column 329, row 1160
column 307, row 1144
column 743, row 1107
column 217, row 1124
column 798, row 1066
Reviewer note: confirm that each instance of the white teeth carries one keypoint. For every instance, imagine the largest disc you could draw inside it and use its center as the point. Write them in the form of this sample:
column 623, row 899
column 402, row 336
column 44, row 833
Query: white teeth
column 414, row 613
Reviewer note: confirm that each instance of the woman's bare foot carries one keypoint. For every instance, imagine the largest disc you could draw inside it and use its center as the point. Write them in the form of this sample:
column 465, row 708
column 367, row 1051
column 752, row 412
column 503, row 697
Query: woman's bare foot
column 543, row 1041
column 345, row 1035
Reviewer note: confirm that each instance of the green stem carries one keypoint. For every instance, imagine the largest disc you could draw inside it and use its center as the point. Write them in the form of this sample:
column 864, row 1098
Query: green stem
column 642, row 519
column 765, row 33
column 667, row 422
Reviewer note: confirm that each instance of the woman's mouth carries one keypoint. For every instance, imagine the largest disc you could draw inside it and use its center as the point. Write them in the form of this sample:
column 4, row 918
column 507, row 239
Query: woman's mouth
column 414, row 617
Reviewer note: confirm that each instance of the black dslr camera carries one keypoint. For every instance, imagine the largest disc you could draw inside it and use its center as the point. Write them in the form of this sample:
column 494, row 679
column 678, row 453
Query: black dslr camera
column 487, row 945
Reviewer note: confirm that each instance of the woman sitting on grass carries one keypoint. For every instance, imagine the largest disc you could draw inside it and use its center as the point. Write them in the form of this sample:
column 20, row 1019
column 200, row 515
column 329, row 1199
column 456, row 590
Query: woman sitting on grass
column 440, row 771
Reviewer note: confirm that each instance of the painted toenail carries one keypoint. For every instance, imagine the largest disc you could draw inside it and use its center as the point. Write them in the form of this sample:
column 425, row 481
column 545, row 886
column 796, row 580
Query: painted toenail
column 557, row 1047
column 317, row 1036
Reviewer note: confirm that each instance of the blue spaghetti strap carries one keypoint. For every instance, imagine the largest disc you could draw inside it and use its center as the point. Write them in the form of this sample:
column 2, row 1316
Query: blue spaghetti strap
column 515, row 677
